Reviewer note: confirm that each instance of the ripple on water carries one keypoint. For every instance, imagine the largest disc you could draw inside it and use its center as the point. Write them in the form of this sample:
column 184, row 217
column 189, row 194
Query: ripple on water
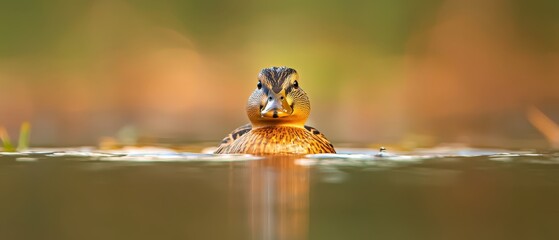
column 345, row 157
column 181, row 157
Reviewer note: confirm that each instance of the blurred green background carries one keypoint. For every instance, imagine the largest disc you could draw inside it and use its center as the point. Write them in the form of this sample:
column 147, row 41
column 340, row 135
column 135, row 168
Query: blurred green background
column 385, row 71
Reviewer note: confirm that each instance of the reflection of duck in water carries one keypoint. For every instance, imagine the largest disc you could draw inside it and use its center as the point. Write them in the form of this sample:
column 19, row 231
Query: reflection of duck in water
column 278, row 110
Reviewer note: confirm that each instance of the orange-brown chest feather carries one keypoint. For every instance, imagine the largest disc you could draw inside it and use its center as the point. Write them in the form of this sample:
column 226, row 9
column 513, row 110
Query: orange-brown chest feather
column 279, row 140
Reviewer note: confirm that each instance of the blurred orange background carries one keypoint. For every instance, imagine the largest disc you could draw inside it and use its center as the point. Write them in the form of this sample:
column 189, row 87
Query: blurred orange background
column 388, row 71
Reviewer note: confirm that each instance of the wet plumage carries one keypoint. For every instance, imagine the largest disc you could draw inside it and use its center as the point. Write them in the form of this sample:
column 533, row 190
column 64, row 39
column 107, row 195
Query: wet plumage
column 277, row 109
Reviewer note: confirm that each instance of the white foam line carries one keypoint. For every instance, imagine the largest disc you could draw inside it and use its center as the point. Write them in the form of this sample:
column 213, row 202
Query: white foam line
column 188, row 157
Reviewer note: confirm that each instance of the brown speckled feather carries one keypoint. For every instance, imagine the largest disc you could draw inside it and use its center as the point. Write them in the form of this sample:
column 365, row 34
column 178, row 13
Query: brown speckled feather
column 276, row 140
column 235, row 135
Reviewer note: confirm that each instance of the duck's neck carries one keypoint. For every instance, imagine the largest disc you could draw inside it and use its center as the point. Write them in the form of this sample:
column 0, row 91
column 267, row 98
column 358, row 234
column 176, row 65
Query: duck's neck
column 276, row 124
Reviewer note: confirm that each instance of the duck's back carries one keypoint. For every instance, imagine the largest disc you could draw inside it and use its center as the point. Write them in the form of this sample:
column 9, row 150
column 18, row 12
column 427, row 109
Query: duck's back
column 279, row 140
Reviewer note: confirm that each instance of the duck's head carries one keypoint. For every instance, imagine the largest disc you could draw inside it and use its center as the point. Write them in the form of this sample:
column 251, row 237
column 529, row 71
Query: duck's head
column 278, row 99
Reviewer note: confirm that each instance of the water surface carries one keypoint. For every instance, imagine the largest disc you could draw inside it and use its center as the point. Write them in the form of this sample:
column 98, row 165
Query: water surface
column 163, row 194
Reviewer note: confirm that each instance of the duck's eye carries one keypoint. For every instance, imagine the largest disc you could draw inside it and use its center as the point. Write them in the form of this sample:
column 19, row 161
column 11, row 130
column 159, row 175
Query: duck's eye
column 296, row 84
column 259, row 85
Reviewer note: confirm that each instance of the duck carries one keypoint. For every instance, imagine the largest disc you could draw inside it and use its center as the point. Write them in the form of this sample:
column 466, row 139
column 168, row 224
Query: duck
column 278, row 109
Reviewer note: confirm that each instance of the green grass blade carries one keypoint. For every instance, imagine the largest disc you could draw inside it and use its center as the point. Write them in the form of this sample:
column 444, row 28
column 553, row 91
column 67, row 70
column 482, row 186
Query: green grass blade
column 6, row 143
column 23, row 141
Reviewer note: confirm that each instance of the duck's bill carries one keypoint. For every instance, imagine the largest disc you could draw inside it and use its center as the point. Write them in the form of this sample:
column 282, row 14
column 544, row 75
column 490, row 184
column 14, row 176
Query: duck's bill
column 276, row 109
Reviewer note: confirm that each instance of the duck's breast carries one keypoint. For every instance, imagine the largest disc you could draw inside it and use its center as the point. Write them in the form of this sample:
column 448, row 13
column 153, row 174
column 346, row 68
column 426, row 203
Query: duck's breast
column 280, row 140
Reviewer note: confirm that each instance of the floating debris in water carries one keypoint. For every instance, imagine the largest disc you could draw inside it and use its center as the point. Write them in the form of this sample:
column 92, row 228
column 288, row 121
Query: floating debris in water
column 382, row 152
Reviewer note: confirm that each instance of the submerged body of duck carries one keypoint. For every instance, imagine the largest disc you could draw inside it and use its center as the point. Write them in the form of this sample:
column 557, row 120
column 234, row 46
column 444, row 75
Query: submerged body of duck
column 277, row 110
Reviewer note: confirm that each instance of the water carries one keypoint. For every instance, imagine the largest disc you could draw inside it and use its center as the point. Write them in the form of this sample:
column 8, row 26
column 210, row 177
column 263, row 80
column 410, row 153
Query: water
column 161, row 194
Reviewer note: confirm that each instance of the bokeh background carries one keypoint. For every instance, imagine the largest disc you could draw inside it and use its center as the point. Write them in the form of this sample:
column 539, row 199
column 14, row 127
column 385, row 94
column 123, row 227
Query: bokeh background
column 419, row 73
